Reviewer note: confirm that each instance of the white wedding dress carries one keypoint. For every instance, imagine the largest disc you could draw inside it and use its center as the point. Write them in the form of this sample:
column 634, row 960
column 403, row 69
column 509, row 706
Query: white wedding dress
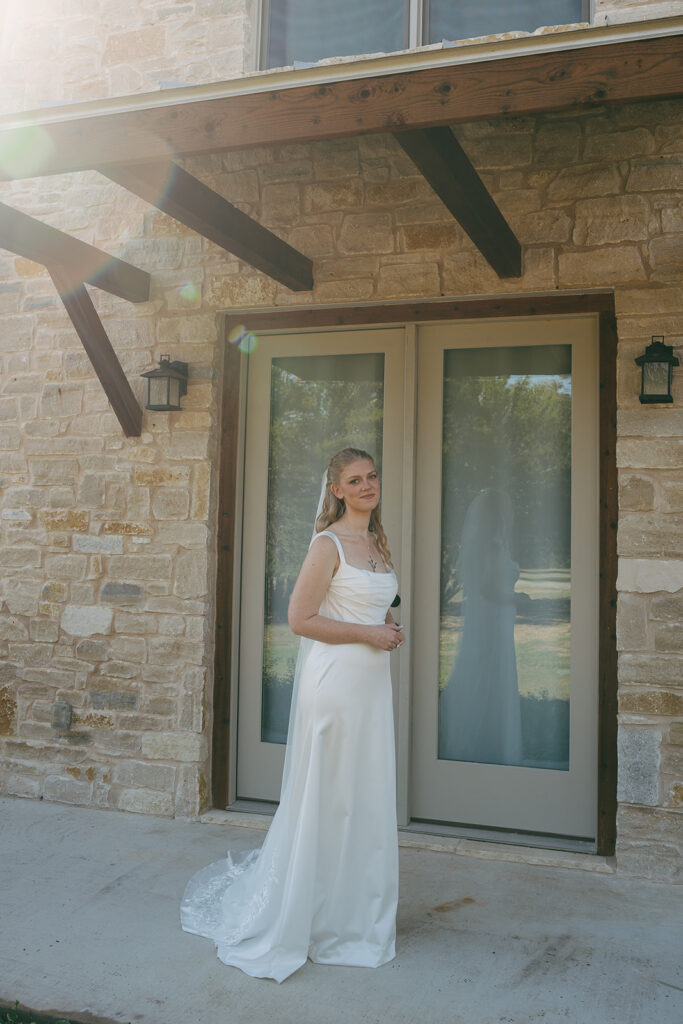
column 324, row 884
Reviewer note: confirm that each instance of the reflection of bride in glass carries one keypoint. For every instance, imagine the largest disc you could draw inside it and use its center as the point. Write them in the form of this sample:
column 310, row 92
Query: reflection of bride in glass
column 479, row 707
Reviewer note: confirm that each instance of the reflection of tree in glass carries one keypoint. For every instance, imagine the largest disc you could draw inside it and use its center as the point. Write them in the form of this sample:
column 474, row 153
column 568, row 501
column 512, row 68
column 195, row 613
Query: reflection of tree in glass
column 513, row 433
column 310, row 419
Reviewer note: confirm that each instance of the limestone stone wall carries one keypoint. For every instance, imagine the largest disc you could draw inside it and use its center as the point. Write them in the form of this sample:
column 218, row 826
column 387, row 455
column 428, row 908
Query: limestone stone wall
column 63, row 51
column 107, row 544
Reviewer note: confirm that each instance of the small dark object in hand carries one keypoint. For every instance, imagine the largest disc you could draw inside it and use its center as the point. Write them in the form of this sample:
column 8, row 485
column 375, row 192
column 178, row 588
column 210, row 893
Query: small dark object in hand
column 396, row 602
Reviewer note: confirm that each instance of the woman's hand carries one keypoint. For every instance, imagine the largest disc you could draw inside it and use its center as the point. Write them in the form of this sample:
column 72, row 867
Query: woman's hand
column 387, row 637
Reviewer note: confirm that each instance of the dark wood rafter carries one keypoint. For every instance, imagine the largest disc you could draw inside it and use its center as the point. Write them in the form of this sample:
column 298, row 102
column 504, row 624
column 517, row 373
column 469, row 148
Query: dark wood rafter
column 25, row 236
column 578, row 77
column 599, row 302
column 170, row 188
column 439, row 156
column 90, row 330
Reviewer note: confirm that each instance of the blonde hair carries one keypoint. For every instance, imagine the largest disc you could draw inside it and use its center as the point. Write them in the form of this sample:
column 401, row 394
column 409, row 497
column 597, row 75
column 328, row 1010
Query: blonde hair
column 334, row 508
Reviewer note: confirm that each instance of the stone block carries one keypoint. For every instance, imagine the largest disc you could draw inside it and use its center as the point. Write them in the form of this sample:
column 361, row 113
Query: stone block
column 334, row 195
column 115, row 528
column 22, row 596
column 654, row 861
column 188, row 747
column 617, row 264
column 119, row 669
column 606, row 145
column 86, row 620
column 192, row 574
column 134, row 46
column 611, row 219
column 656, row 174
column 183, row 446
column 82, row 593
column 636, row 493
column 105, row 545
column 429, row 237
column 61, row 400
column 192, row 793
column 121, row 700
column 649, row 575
column 43, row 631
column 639, row 757
column 666, row 256
column 141, row 567
column 8, row 710
column 650, row 421
column 164, row 651
column 542, row 227
column 667, row 607
column 669, row 637
column 408, row 279
column 285, row 170
column 128, row 648
column 556, row 143
column 651, row 702
column 632, row 625
column 67, row 791
column 66, row 567
column 12, row 629
column 161, row 476
column 53, row 470
column 651, row 534
column 366, row 233
column 652, row 669
column 16, row 557
column 140, row 775
column 91, row 490
column 16, row 515
column 137, row 623
column 502, row 149
column 121, row 594
column 585, row 181
column 68, row 520
column 280, row 204
column 10, row 439
column 171, row 503
column 671, row 495
column 146, row 801
column 92, row 650
column 676, row 733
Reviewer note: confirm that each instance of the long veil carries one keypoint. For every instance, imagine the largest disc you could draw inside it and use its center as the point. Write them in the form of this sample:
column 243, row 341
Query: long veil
column 231, row 899
column 304, row 648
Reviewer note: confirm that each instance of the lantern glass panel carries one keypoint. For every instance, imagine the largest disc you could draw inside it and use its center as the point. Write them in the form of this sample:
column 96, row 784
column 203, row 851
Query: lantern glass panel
column 656, row 378
column 174, row 392
column 158, row 391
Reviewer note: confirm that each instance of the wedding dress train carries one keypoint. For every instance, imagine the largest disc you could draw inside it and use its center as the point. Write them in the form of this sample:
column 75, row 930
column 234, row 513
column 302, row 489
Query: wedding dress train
column 324, row 884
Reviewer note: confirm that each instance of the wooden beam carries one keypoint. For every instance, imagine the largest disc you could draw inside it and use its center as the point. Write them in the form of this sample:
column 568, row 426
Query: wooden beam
column 80, row 262
column 641, row 69
column 90, row 330
column 447, row 168
column 170, row 188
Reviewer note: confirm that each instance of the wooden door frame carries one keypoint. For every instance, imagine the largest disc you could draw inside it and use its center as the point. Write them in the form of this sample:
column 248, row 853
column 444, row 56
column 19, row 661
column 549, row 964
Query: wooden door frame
column 315, row 317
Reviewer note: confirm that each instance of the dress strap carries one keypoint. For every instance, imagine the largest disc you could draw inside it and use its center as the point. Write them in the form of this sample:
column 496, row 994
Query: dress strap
column 335, row 538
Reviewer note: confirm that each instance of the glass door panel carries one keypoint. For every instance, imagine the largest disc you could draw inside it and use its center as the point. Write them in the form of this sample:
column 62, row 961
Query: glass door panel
column 506, row 580
column 505, row 558
column 307, row 397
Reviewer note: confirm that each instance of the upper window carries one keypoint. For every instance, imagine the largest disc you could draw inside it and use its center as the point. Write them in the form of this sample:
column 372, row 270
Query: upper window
column 309, row 30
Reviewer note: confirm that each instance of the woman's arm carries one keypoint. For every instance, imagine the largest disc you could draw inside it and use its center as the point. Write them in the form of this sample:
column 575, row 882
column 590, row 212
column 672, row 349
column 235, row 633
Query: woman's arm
column 309, row 590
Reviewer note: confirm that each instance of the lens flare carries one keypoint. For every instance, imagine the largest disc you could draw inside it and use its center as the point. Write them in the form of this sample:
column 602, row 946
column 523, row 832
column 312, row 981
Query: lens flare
column 248, row 342
column 189, row 292
column 25, row 151
column 236, row 334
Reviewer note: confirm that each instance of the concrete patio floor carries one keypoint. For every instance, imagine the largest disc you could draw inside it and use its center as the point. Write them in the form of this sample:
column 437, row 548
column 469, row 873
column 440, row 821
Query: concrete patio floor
column 89, row 924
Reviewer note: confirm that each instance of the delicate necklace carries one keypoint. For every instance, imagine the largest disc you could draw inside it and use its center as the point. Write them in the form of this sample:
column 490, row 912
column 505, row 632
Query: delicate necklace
column 371, row 561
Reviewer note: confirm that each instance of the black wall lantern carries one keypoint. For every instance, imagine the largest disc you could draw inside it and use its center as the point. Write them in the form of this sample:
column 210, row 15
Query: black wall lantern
column 166, row 385
column 656, row 364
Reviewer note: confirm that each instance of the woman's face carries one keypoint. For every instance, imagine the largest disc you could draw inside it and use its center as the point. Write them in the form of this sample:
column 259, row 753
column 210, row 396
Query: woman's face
column 358, row 486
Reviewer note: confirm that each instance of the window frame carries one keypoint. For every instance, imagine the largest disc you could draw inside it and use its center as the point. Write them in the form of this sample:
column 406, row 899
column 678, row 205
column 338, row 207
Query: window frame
column 416, row 22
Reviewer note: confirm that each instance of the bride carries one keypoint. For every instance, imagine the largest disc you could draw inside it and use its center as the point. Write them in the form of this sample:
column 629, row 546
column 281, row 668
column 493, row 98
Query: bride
column 324, row 884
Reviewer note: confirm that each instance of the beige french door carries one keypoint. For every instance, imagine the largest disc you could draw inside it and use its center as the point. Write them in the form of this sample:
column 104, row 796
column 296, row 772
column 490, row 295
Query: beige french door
column 308, row 396
column 505, row 629
column 487, row 436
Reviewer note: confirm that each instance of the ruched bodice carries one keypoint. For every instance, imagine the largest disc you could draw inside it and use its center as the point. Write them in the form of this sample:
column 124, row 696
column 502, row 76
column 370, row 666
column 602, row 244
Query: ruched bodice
column 357, row 595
